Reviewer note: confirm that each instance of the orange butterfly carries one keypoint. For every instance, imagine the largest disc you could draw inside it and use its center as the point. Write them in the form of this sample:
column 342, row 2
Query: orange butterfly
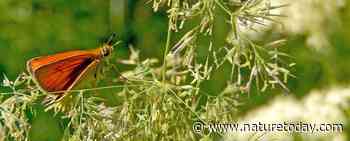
column 60, row 72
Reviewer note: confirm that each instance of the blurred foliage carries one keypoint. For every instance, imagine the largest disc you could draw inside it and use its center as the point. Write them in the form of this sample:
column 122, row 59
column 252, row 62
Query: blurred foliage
column 37, row 27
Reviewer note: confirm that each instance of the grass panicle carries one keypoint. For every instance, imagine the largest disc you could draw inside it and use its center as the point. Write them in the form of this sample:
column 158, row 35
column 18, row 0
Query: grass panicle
column 162, row 101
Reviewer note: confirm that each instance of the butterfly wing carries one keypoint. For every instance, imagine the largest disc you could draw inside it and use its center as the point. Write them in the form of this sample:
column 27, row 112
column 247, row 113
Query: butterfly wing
column 36, row 63
column 62, row 71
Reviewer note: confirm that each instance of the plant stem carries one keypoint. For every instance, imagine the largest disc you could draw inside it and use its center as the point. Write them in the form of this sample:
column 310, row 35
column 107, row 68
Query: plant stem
column 223, row 7
column 167, row 45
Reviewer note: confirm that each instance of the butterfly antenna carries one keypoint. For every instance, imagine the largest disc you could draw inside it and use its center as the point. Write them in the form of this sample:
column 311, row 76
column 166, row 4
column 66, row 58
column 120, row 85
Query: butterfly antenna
column 116, row 43
column 111, row 37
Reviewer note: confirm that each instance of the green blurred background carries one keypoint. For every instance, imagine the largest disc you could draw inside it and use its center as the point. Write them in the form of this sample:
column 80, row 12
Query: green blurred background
column 38, row 27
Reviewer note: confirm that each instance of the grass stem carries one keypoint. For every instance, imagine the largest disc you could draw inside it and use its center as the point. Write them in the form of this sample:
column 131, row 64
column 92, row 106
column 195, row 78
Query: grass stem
column 166, row 50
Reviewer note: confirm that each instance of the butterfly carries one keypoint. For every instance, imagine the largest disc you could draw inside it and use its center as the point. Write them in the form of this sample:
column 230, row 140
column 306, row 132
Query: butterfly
column 59, row 73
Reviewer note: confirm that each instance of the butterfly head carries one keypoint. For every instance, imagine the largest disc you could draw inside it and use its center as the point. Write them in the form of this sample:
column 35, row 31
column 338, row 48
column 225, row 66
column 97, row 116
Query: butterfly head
column 106, row 50
column 108, row 46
